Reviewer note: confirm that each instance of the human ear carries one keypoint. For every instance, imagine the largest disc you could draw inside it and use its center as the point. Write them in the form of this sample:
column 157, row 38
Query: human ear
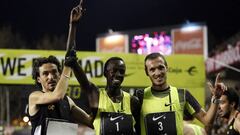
column 233, row 104
column 38, row 80
column 166, row 69
column 146, row 72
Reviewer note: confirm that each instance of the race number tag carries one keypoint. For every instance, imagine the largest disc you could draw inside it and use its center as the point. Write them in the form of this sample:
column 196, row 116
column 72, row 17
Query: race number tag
column 60, row 127
column 116, row 124
column 163, row 123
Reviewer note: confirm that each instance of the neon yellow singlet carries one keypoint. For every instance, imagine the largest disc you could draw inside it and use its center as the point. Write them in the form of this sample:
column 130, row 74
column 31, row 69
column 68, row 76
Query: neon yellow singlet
column 107, row 105
column 153, row 104
column 197, row 129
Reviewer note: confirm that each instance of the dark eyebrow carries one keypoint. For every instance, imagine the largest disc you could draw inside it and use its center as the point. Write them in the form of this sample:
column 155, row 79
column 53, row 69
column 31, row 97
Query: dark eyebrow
column 152, row 68
column 162, row 66
column 44, row 72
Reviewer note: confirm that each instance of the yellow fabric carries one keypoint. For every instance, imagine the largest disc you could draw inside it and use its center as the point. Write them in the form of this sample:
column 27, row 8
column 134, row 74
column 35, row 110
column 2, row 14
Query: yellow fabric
column 107, row 105
column 153, row 104
column 197, row 129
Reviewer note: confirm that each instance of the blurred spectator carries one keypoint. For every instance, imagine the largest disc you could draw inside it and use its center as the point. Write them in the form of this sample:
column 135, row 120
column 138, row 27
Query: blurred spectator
column 229, row 103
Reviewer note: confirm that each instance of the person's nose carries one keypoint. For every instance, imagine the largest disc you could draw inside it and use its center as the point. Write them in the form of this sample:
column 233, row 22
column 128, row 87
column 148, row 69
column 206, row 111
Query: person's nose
column 219, row 108
column 118, row 73
column 158, row 72
column 50, row 76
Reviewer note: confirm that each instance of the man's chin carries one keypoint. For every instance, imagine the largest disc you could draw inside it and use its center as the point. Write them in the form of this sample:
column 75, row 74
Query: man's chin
column 116, row 85
column 52, row 88
column 158, row 83
column 224, row 115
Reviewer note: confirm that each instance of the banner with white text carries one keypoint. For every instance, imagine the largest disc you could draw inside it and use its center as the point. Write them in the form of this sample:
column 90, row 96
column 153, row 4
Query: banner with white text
column 184, row 70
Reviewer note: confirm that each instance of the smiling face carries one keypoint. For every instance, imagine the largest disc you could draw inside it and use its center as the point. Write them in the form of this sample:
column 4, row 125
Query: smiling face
column 157, row 72
column 115, row 72
column 48, row 76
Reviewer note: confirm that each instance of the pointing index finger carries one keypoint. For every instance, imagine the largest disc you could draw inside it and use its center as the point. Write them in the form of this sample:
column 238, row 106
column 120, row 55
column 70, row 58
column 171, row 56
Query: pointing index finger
column 80, row 3
column 217, row 80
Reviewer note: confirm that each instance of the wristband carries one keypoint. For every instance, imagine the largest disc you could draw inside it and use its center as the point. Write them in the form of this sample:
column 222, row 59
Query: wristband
column 215, row 101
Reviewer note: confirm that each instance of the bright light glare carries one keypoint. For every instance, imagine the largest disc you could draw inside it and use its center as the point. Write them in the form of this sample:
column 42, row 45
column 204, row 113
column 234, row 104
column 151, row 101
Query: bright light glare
column 25, row 119
column 190, row 28
column 113, row 38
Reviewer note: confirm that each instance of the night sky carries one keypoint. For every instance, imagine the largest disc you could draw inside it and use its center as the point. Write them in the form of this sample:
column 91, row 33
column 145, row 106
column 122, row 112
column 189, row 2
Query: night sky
column 35, row 18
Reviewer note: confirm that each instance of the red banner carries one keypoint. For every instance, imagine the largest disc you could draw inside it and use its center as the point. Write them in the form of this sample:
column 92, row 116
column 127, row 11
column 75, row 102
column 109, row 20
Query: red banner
column 188, row 42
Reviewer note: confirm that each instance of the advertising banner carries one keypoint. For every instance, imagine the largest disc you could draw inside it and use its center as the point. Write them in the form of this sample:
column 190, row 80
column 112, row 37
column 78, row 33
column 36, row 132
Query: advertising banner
column 224, row 59
column 192, row 41
column 184, row 71
column 16, row 67
column 112, row 43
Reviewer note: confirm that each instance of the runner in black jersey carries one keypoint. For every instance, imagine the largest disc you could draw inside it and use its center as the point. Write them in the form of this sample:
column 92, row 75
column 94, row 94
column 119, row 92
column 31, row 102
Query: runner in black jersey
column 50, row 101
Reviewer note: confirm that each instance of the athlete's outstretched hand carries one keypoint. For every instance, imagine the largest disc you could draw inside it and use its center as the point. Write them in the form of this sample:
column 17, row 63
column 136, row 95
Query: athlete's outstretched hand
column 76, row 13
column 218, row 88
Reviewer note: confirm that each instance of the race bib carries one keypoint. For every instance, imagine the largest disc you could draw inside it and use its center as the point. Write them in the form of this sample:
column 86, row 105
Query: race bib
column 163, row 123
column 116, row 124
column 60, row 127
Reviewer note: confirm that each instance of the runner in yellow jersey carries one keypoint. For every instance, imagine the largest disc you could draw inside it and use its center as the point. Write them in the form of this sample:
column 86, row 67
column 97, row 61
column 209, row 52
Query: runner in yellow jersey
column 163, row 105
column 113, row 109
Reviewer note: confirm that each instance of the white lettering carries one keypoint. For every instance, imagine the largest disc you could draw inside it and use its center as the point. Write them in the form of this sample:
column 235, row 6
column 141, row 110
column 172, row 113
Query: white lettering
column 227, row 57
column 210, row 65
column 195, row 43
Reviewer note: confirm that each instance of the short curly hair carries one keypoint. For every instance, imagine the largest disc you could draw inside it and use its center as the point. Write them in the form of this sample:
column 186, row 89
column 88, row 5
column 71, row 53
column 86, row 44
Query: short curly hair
column 108, row 62
column 38, row 62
